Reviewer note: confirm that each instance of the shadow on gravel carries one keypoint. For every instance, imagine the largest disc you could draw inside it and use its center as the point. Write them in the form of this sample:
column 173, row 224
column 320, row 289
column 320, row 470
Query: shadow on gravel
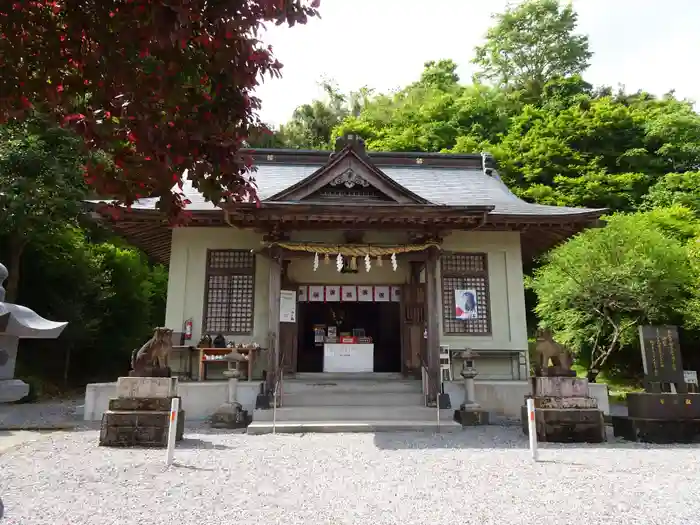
column 495, row 437
column 200, row 444
column 192, row 467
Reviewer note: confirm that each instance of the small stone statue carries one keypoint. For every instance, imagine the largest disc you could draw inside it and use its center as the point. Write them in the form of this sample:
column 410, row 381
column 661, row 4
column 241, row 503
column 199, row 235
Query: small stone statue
column 151, row 360
column 548, row 349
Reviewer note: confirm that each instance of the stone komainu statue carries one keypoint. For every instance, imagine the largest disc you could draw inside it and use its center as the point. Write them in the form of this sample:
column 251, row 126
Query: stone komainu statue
column 153, row 357
column 547, row 348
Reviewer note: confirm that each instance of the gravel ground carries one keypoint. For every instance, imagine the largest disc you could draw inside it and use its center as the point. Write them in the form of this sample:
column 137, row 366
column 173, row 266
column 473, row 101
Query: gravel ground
column 480, row 476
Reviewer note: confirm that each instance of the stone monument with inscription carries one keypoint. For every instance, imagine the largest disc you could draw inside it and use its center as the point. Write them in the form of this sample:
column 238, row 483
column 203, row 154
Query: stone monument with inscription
column 565, row 412
column 18, row 322
column 665, row 412
column 140, row 414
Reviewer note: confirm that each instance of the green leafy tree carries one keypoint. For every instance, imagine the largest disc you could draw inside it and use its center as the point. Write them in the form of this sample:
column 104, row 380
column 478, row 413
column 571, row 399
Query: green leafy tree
column 676, row 188
column 594, row 290
column 602, row 152
column 108, row 293
column 532, row 43
column 163, row 87
column 312, row 124
column 433, row 114
column 41, row 185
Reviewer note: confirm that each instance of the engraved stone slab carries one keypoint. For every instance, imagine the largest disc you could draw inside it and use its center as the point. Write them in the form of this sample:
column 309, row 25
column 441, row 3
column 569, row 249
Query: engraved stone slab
column 560, row 387
column 144, row 387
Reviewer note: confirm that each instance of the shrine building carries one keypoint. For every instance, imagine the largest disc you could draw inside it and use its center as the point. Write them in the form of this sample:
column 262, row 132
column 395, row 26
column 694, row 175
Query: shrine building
column 357, row 264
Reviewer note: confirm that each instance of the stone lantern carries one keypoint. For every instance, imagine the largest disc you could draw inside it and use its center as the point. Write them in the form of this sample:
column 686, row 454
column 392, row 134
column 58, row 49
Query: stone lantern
column 18, row 322
column 470, row 412
column 231, row 413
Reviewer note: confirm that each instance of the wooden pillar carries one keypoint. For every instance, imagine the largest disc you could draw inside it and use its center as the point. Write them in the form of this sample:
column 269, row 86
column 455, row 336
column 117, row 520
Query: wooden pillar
column 433, row 310
column 273, row 345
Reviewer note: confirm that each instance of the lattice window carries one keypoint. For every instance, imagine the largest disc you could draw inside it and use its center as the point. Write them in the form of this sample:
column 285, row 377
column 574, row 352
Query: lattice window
column 230, row 292
column 465, row 272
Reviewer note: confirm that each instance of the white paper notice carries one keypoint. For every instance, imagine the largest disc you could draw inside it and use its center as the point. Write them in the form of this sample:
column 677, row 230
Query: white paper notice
column 288, row 306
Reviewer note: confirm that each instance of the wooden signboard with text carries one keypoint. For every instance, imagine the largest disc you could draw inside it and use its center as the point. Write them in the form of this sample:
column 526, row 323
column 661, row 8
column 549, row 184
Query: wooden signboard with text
column 661, row 355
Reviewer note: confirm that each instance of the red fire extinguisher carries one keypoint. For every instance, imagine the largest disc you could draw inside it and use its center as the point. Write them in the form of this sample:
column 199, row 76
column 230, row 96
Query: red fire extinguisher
column 188, row 329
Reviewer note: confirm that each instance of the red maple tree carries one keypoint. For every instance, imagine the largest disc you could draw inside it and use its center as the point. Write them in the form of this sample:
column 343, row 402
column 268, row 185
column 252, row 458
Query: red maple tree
column 164, row 87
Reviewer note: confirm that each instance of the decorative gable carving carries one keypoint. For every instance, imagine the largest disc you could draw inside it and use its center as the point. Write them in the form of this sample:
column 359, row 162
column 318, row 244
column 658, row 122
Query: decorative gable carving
column 348, row 177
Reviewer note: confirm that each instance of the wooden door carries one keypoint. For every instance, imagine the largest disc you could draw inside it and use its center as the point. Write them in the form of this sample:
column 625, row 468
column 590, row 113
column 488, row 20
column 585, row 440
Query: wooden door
column 413, row 343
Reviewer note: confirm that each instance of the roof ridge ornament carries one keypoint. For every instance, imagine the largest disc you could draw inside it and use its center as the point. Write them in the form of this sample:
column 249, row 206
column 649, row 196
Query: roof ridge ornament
column 489, row 166
column 351, row 141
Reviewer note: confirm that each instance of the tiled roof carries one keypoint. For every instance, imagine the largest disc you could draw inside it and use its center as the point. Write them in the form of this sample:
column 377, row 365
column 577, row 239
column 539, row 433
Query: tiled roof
column 438, row 185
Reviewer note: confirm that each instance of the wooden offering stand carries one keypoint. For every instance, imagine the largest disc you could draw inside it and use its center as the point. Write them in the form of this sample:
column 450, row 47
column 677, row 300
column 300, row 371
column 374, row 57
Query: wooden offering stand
column 215, row 355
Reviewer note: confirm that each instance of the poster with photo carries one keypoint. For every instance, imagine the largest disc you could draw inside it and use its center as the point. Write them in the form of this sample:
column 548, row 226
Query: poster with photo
column 466, row 304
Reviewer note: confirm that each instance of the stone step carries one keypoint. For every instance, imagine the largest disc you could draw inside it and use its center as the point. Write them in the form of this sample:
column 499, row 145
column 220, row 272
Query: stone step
column 300, row 427
column 373, row 376
column 353, row 414
column 348, row 398
column 325, row 386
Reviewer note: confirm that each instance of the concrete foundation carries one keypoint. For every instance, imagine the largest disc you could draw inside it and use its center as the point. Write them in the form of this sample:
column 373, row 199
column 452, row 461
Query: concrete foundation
column 202, row 399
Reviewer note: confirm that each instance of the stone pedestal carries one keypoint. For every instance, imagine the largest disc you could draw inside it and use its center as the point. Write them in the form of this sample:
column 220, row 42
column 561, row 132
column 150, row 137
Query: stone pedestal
column 564, row 411
column 140, row 414
column 660, row 418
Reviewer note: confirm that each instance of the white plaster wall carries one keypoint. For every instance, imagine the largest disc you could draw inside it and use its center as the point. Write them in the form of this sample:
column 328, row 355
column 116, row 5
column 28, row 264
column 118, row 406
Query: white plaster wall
column 507, row 294
column 186, row 280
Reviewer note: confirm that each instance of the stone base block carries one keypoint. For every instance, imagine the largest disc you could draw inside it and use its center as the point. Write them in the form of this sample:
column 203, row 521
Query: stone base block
column 559, row 387
column 145, row 404
column 645, row 405
column 146, row 387
column 555, row 425
column 230, row 415
column 139, row 428
column 566, row 402
column 152, row 371
column 472, row 417
column 12, row 390
column 660, row 431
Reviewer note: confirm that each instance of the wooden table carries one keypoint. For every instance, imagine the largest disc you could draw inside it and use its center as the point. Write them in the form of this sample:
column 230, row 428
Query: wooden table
column 248, row 353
